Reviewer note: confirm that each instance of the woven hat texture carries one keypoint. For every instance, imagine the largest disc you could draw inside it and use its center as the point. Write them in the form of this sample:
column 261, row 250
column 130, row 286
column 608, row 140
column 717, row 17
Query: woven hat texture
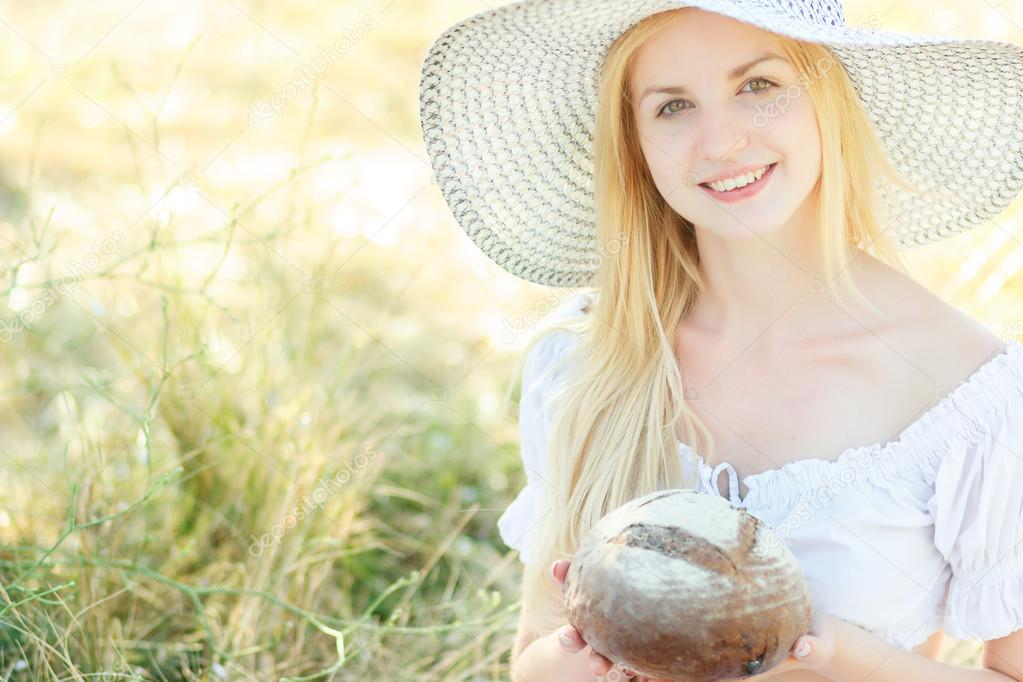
column 508, row 102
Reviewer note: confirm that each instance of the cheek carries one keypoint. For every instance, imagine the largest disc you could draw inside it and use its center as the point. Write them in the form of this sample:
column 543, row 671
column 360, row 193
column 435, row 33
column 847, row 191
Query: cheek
column 665, row 155
column 795, row 134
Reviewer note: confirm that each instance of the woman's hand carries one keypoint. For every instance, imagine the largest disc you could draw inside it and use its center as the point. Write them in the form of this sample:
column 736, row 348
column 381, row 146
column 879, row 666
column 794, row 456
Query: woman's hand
column 572, row 642
column 812, row 651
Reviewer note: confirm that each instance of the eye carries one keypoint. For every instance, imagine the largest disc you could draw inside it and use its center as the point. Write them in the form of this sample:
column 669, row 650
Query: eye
column 666, row 112
column 768, row 84
column 663, row 113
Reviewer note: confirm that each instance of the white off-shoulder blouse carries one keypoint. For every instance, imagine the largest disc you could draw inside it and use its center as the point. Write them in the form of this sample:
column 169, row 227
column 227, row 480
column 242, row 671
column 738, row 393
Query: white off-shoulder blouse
column 882, row 531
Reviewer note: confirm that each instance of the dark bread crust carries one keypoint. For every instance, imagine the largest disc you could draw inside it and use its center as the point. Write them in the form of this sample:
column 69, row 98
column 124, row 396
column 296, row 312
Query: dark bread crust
column 670, row 603
column 676, row 543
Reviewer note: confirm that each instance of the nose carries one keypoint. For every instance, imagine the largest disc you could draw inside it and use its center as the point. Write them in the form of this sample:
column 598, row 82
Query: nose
column 722, row 133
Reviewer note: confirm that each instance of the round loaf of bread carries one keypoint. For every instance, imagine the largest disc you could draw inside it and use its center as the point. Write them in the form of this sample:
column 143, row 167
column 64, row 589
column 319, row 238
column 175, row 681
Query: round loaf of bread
column 683, row 585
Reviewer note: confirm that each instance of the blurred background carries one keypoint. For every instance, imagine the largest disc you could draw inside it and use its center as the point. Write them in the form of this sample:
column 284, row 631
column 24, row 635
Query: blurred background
column 257, row 389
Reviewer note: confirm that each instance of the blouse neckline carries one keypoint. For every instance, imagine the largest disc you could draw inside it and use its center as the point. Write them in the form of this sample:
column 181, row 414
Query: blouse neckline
column 949, row 407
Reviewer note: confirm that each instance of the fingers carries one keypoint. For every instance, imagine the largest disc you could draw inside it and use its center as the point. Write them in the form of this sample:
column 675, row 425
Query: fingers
column 632, row 675
column 572, row 643
column 616, row 673
column 570, row 640
column 559, row 569
column 598, row 664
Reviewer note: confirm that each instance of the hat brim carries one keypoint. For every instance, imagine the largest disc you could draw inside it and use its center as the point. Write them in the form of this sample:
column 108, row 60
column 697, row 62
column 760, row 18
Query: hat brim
column 508, row 103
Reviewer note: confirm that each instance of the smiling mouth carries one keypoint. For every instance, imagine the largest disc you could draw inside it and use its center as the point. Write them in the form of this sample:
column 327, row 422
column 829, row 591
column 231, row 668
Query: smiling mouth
column 765, row 170
column 740, row 193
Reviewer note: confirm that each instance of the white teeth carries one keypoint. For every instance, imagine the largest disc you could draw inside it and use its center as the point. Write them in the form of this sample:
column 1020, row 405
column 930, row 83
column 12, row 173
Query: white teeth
column 741, row 181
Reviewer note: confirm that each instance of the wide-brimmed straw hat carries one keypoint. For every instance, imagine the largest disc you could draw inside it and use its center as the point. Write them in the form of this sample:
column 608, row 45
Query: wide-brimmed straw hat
column 508, row 102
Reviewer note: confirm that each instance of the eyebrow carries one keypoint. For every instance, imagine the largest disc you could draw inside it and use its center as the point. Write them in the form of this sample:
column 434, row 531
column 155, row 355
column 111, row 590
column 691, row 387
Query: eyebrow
column 732, row 75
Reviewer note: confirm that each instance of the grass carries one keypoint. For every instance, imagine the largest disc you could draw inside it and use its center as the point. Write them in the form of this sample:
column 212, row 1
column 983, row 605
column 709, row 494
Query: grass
column 229, row 453
column 163, row 426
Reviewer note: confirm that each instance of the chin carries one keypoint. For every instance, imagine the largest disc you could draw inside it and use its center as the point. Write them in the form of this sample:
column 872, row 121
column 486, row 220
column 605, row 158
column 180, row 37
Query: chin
column 745, row 227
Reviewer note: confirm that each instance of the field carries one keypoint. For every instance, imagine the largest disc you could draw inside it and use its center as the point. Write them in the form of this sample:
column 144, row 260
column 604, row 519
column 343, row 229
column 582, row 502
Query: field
column 257, row 400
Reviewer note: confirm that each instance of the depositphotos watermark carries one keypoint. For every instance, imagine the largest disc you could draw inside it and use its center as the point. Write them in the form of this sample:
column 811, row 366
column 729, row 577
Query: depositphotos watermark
column 512, row 329
column 855, row 466
column 307, row 73
column 822, row 67
column 62, row 286
column 311, row 501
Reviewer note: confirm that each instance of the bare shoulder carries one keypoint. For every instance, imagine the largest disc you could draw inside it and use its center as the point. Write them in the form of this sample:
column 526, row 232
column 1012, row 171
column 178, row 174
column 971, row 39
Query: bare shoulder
column 946, row 343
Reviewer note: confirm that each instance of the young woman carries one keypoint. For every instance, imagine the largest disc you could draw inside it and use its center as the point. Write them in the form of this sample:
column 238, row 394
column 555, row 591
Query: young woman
column 730, row 181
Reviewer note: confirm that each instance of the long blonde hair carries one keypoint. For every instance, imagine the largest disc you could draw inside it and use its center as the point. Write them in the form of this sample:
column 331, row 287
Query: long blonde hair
column 615, row 417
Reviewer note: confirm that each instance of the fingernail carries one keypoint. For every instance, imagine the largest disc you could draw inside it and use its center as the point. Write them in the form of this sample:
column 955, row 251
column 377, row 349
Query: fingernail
column 803, row 649
column 566, row 638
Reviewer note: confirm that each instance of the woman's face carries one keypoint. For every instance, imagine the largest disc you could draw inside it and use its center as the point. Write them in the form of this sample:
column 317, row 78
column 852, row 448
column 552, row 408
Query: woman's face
column 714, row 120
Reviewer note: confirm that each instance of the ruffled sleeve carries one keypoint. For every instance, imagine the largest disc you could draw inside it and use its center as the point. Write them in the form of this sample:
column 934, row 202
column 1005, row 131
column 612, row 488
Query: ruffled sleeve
column 541, row 370
column 978, row 511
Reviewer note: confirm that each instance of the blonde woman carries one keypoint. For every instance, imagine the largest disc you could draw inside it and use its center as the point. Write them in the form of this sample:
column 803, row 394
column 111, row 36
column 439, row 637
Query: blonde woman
column 729, row 182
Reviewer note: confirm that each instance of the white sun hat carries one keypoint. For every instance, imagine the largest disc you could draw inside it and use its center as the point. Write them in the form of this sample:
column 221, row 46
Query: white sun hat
column 508, row 102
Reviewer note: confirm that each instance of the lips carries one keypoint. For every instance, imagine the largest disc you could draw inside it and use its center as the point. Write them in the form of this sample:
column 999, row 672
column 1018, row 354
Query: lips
column 766, row 167
column 741, row 193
